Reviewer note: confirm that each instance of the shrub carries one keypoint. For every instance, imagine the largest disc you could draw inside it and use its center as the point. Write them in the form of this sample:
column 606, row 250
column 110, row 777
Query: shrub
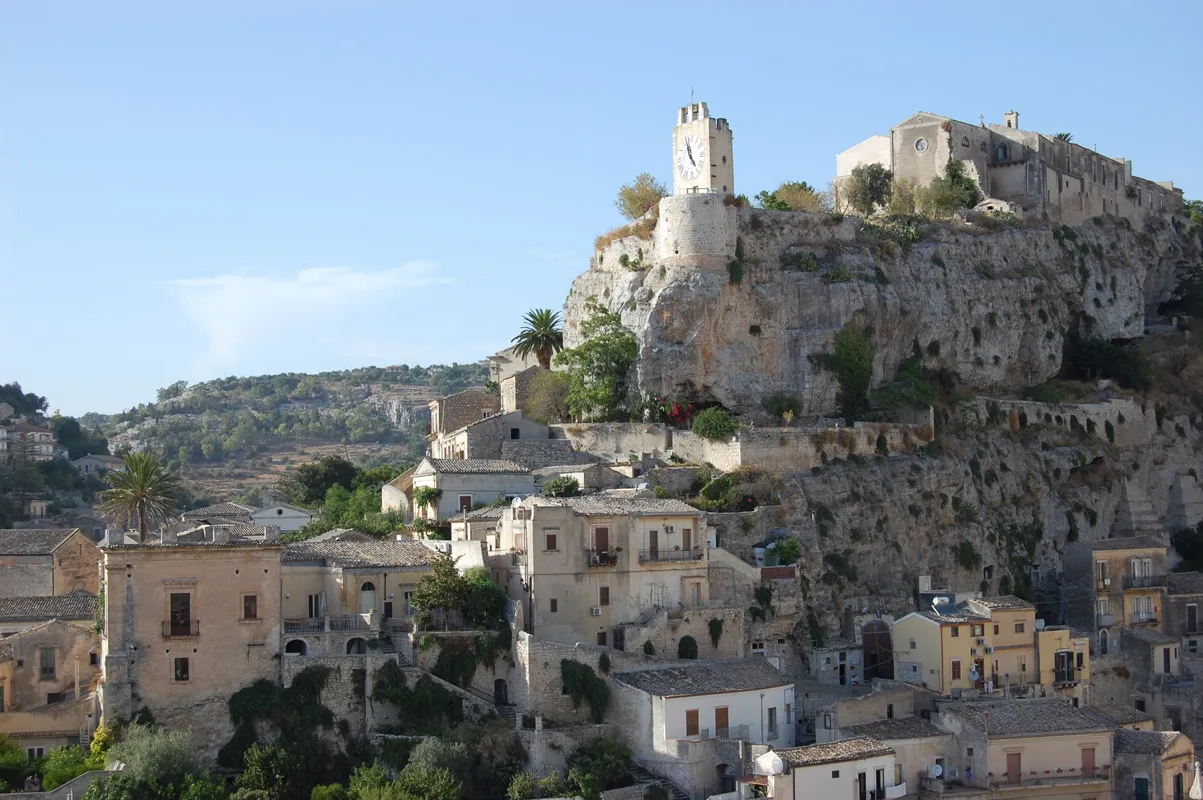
column 788, row 551
column 837, row 274
column 649, row 649
column 1091, row 359
column 735, row 272
column 637, row 197
column 563, row 486
column 716, row 631
column 779, row 404
column 715, row 424
column 967, row 555
column 950, row 192
column 853, row 366
column 1044, row 393
column 867, row 188
column 687, row 647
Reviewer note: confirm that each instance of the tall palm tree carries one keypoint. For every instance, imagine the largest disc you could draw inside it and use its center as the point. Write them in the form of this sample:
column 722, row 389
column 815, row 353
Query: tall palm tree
column 145, row 492
column 1065, row 137
column 541, row 336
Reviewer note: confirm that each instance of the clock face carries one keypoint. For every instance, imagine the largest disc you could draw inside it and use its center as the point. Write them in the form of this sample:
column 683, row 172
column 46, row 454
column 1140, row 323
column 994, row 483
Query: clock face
column 691, row 155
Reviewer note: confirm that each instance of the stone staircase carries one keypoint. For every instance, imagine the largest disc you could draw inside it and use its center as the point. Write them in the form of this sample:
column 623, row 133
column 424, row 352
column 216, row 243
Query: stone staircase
column 1134, row 516
column 643, row 776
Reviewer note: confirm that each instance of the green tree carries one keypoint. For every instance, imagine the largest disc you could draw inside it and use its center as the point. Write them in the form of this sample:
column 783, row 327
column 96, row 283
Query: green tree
column 687, row 648
column 13, row 764
column 547, row 397
column 156, row 757
column 145, row 493
column 853, row 364
column 309, row 483
column 428, row 497
column 1188, row 294
column 950, row 192
column 867, row 188
column 715, row 424
column 637, row 197
column 600, row 368
column 78, row 442
column 1194, row 211
column 793, row 196
column 541, row 336
column 563, row 486
column 788, row 551
column 173, row 391
column 22, row 402
column 65, row 763
column 271, row 774
column 205, row 787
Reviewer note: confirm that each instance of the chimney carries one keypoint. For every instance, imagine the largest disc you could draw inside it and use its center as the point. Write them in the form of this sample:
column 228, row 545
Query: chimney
column 1011, row 119
column 271, row 533
column 114, row 537
column 221, row 535
column 168, row 535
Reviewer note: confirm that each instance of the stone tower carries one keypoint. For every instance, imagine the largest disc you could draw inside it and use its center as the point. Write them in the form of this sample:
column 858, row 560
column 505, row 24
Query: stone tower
column 703, row 161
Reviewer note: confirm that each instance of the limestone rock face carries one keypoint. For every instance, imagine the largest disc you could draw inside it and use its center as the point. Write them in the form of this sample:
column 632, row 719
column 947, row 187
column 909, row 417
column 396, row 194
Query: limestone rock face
column 743, row 311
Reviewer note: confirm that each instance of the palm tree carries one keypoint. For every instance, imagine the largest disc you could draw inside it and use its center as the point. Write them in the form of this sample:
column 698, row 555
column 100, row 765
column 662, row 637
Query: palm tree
column 541, row 336
column 1065, row 137
column 145, row 491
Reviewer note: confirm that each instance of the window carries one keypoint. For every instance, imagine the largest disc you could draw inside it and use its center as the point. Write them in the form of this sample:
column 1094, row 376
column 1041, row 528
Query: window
column 956, row 670
column 1081, row 659
column 1139, row 704
column 180, row 670
column 46, row 671
column 181, row 613
column 976, row 630
column 1102, row 606
column 601, row 638
column 691, row 722
column 789, row 714
column 1022, row 663
column 603, row 595
column 757, row 648
column 920, row 145
column 465, row 502
column 964, row 141
column 996, row 629
column 772, row 722
column 1142, row 788
column 35, row 752
column 250, row 606
column 1, row 698
column 550, row 543
column 912, row 644
column 826, row 722
column 316, row 606
column 1192, row 646
column 835, row 773
column 968, row 752
column 93, row 659
column 1103, row 570
column 515, row 433
column 956, row 631
column 890, row 711
column 1020, row 627
column 553, row 605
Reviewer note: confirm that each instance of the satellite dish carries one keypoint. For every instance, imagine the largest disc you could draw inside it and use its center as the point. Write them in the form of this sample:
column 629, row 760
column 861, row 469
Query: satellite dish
column 778, row 765
column 937, row 771
column 1039, row 624
column 973, row 676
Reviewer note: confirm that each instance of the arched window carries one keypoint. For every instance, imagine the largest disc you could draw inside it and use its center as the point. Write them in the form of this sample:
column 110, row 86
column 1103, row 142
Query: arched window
column 357, row 647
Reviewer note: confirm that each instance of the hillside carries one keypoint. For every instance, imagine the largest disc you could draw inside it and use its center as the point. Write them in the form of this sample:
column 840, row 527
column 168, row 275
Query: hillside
column 231, row 435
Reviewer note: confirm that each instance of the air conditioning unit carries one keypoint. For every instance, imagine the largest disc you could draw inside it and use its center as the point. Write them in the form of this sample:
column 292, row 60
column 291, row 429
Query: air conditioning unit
column 989, row 650
column 1106, row 581
column 668, row 528
column 981, row 642
column 595, row 611
column 973, row 651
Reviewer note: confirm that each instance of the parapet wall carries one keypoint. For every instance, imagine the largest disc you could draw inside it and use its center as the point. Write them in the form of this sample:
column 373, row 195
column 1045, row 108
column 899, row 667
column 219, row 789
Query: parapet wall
column 1120, row 421
column 617, row 441
column 696, row 230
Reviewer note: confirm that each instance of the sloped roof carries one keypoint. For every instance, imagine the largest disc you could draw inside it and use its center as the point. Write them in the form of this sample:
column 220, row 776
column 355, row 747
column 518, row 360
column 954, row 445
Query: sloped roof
column 475, row 466
column 1186, row 583
column 565, row 468
column 1126, row 543
column 101, row 457
column 1024, row 717
column 77, row 605
column 33, row 541
column 1006, row 602
column 341, row 535
column 220, row 510
column 896, row 728
column 705, row 677
column 830, row 752
column 1151, row 743
column 486, row 513
column 604, row 504
column 1149, row 636
column 1116, row 715
column 353, row 555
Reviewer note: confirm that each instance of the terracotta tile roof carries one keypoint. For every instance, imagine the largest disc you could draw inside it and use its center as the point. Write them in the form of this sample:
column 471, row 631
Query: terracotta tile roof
column 1115, row 715
column 475, row 466
column 1126, row 543
column 486, row 513
column 705, row 677
column 830, row 752
column 1023, row 717
column 777, row 573
column 1186, row 583
column 77, row 605
column 1151, row 743
column 352, row 555
column 236, row 510
column 341, row 535
column 896, row 728
column 33, row 541
column 564, row 468
column 608, row 505
column 1006, row 602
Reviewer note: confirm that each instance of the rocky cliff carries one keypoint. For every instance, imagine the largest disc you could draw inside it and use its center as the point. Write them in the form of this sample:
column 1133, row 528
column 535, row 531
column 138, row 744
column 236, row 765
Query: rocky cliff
column 738, row 308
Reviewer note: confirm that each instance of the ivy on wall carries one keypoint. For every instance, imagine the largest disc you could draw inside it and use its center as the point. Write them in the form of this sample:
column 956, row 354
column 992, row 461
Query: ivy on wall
column 582, row 683
column 297, row 710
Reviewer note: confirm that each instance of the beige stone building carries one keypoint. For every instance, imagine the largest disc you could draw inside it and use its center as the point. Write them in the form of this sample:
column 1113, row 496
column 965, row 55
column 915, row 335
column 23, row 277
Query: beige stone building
column 506, row 363
column 44, row 561
column 465, row 484
column 21, row 613
column 1112, row 585
column 48, row 675
column 339, row 595
column 850, row 768
column 1153, row 764
column 185, row 627
column 453, row 412
column 585, row 566
column 1027, row 173
column 1184, row 599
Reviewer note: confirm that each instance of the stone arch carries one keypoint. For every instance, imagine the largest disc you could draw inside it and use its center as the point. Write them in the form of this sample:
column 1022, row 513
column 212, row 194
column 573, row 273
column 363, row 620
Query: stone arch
column 357, row 647
column 878, row 650
column 296, row 647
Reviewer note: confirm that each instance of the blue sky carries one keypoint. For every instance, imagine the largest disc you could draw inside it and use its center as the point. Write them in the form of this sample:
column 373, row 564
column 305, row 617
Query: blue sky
column 193, row 190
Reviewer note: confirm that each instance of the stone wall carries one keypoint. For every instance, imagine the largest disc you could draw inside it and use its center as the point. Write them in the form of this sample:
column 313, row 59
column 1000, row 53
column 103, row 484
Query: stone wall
column 725, row 455
column 676, row 481
column 346, row 688
column 665, row 631
column 537, row 453
column 616, row 441
column 1129, row 425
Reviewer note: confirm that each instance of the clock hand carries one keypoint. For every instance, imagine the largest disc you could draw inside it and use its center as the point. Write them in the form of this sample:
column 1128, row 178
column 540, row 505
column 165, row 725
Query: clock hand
column 689, row 152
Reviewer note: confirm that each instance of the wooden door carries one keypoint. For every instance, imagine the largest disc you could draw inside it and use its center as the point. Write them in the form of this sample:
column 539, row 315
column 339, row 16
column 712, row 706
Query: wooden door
column 653, row 544
column 687, row 539
column 691, row 722
column 1192, row 618
column 721, row 721
column 1087, row 761
column 1165, row 660
column 601, row 540
column 1014, row 768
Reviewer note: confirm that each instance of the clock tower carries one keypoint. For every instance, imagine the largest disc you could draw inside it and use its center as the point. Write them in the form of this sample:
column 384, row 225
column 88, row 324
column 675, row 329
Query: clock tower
column 703, row 162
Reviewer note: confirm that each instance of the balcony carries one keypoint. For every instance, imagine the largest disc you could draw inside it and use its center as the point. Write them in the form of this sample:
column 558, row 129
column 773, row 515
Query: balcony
column 1105, row 620
column 603, row 558
column 174, row 628
column 1191, row 630
column 305, row 625
column 1143, row 617
column 1068, row 777
column 350, row 622
column 1063, row 677
column 676, row 554
column 737, row 733
column 1145, row 581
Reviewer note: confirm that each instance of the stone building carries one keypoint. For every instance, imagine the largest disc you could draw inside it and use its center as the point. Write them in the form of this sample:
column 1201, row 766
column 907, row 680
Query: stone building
column 20, row 613
column 37, row 561
column 1153, row 764
column 584, row 567
column 464, row 483
column 1024, row 172
column 918, row 746
column 185, row 627
column 339, row 595
column 487, row 438
column 1112, row 584
column 515, row 390
column 506, row 363
column 858, row 767
column 1184, row 596
column 48, row 675
column 453, row 412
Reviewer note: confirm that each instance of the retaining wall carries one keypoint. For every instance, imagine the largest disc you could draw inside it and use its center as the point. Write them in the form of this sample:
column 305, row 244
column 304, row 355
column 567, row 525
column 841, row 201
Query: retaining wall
column 1121, row 418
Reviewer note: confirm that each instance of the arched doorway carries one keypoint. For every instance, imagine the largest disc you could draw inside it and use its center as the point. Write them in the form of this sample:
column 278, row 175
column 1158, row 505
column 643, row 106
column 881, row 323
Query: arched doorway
column 501, row 692
column 1104, row 642
column 367, row 597
column 726, row 778
column 878, row 649
column 357, row 647
column 296, row 647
